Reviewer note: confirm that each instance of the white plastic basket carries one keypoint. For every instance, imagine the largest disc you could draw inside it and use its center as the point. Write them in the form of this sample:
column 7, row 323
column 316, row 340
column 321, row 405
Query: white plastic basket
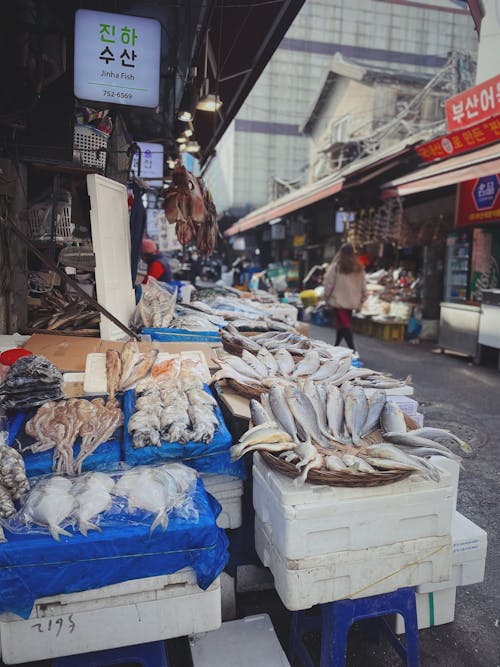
column 87, row 140
column 40, row 218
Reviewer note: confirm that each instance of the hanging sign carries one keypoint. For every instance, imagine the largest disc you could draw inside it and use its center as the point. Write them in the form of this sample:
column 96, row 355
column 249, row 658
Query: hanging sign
column 473, row 105
column 478, row 201
column 117, row 58
column 151, row 163
column 487, row 132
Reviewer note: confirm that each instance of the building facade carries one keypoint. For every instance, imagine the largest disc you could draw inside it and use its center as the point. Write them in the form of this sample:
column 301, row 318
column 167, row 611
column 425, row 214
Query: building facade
column 264, row 153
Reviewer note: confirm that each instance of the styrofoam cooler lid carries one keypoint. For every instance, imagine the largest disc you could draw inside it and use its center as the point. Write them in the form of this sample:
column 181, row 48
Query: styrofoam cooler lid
column 407, row 404
column 469, row 540
column 246, row 642
column 288, row 493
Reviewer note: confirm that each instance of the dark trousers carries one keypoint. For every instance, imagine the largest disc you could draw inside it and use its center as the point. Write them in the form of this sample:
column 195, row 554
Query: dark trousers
column 343, row 324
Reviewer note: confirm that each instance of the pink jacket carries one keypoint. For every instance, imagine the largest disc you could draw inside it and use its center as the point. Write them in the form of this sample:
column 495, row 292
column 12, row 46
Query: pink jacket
column 344, row 290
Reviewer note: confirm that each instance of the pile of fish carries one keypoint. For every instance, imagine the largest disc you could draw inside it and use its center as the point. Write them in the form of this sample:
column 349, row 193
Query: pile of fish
column 323, row 427
column 156, row 306
column 125, row 368
column 31, row 381
column 13, row 481
column 249, row 314
column 55, row 503
column 177, row 409
column 64, row 312
column 286, row 359
column 57, row 425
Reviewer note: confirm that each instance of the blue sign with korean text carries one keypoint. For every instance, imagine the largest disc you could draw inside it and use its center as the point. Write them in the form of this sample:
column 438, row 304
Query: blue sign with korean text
column 117, row 58
column 485, row 191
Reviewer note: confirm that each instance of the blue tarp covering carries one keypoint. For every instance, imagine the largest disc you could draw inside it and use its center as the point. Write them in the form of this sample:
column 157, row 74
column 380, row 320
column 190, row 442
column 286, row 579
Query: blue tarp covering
column 34, row 566
column 204, row 457
column 167, row 335
column 105, row 457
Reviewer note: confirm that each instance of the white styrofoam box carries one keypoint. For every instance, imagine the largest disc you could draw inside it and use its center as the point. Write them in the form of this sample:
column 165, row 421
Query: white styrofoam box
column 405, row 390
column 228, row 490
column 408, row 405
column 434, row 608
column 305, row 582
column 96, row 382
column 228, row 596
column 468, row 555
column 246, row 642
column 312, row 520
column 134, row 612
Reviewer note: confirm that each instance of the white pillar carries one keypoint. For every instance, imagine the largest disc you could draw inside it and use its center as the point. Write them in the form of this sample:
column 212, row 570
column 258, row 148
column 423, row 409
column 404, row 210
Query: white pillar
column 488, row 59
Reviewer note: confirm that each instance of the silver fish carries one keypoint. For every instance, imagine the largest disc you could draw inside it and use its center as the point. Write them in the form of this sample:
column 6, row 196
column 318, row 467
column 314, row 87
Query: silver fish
column 317, row 396
column 281, row 412
column 409, row 439
column 242, row 367
column 255, row 363
column 442, row 435
column 356, row 412
column 335, row 463
column 352, row 374
column 308, row 365
column 357, row 464
column 310, row 459
column 392, row 418
column 376, row 404
column 335, row 412
column 227, row 371
column 237, row 451
column 330, row 370
column 305, row 416
column 264, row 401
column 432, row 451
column 285, row 361
column 267, row 429
column 385, row 450
column 268, row 360
column 258, row 413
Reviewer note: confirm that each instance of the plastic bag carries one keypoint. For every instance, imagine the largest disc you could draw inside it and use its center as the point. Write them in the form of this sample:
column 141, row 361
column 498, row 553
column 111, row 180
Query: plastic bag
column 156, row 306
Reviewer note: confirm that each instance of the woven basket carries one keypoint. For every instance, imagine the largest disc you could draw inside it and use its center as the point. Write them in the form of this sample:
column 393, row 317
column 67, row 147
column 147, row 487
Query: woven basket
column 333, row 478
column 244, row 390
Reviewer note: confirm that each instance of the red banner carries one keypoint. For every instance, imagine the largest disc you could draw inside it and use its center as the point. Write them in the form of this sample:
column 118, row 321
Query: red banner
column 478, row 201
column 462, row 141
column 473, row 105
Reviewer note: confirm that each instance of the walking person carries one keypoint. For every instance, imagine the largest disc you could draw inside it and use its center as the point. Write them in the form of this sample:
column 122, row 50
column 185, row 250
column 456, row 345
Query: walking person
column 345, row 289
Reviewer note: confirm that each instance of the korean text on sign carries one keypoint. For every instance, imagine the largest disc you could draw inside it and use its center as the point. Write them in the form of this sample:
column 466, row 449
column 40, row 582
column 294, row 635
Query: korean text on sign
column 473, row 105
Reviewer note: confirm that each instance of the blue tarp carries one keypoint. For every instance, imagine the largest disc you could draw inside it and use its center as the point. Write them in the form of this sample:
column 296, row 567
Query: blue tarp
column 105, row 457
column 204, row 457
column 167, row 335
column 34, row 566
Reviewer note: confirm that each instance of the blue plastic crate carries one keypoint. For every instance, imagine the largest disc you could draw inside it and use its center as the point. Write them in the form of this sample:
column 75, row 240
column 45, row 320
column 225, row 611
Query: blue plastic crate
column 106, row 456
column 181, row 335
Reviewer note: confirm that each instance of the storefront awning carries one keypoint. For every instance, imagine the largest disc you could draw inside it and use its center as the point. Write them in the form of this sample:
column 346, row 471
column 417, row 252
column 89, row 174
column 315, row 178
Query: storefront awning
column 446, row 172
column 309, row 194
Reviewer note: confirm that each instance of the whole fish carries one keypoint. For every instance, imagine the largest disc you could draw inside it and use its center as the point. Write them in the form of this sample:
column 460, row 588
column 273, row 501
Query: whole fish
column 333, row 369
column 352, row 374
column 93, row 496
column 264, row 401
column 227, row 371
column 285, row 361
column 255, row 363
column 432, row 451
column 242, row 367
column 267, row 432
column 237, row 451
column 310, row 459
column 357, row 464
column 356, row 412
column 409, row 439
column 268, row 360
column 49, row 504
column 281, row 412
column 385, row 383
column 305, row 416
column 392, row 418
column 442, row 435
column 376, row 404
column 318, row 399
column 308, row 365
column 258, row 413
column 335, row 412
column 335, row 463
column 385, row 450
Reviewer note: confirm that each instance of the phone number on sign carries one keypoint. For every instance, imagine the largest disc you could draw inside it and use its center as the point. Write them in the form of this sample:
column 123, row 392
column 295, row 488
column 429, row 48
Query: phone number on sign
column 118, row 94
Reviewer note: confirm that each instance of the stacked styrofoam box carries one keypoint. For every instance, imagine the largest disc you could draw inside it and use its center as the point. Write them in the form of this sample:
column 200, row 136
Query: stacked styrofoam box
column 325, row 543
column 228, row 490
column 408, row 405
column 436, row 602
column 133, row 612
column 246, row 642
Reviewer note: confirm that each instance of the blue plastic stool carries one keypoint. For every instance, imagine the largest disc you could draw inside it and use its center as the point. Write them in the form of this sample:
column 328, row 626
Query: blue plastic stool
column 337, row 617
column 147, row 655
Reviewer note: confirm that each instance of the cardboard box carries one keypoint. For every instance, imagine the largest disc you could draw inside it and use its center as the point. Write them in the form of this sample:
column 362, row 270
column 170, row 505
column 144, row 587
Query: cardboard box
column 237, row 405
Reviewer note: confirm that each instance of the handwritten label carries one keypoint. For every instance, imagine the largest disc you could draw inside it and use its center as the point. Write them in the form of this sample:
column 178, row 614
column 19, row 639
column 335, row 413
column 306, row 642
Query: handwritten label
column 62, row 625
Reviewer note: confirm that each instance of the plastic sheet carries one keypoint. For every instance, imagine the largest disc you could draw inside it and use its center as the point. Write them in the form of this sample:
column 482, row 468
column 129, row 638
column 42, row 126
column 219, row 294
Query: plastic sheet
column 173, row 451
column 156, row 305
column 105, row 457
column 34, row 566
